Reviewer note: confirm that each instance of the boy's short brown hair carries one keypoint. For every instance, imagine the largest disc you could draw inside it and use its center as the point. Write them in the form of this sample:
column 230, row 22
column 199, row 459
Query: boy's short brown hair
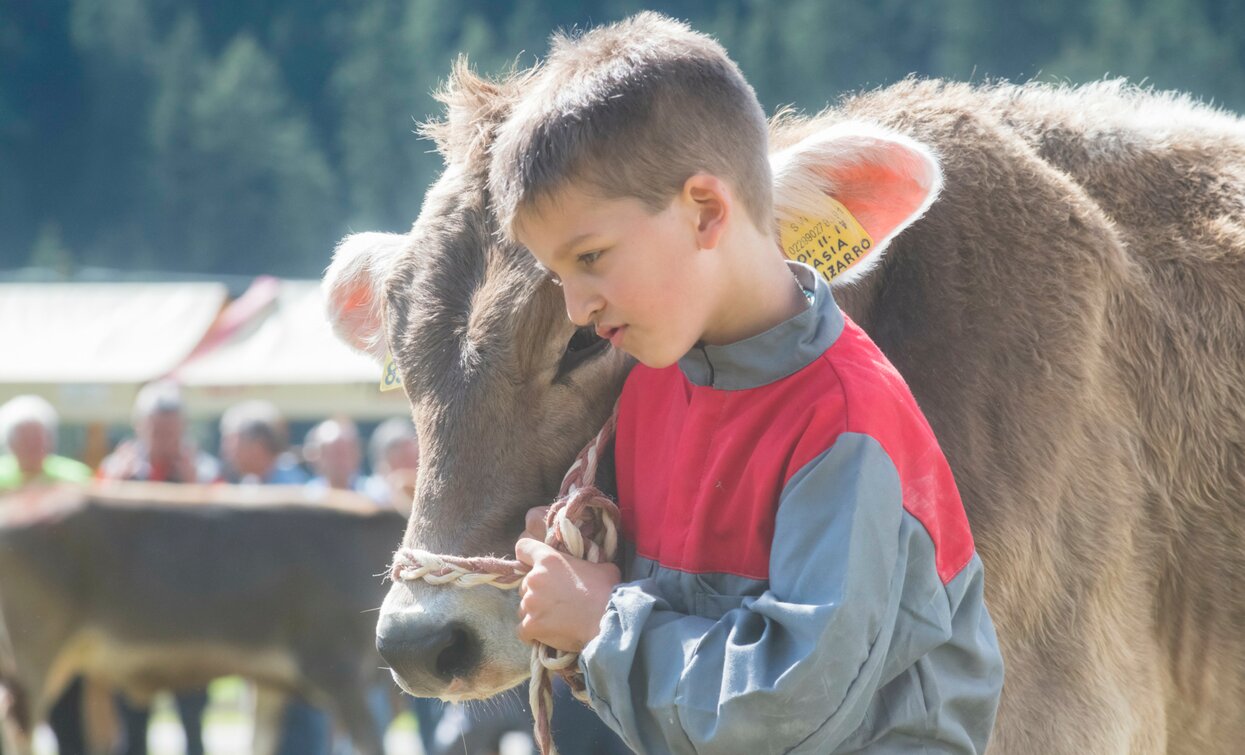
column 632, row 109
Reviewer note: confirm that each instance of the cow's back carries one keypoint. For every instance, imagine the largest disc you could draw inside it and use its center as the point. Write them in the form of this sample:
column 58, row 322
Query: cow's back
column 168, row 593
column 304, row 563
column 1171, row 177
column 1070, row 315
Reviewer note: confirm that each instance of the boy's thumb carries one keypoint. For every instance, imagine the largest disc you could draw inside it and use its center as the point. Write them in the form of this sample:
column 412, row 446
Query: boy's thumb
column 534, row 523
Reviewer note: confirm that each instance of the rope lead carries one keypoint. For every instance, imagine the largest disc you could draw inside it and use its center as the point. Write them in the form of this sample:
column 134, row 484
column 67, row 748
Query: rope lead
column 583, row 523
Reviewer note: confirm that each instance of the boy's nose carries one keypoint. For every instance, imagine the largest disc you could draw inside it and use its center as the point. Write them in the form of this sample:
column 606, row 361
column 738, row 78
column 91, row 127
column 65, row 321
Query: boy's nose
column 582, row 306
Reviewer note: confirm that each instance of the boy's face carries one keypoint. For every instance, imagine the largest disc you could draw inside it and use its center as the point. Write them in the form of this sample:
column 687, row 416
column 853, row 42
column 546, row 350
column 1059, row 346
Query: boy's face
column 636, row 276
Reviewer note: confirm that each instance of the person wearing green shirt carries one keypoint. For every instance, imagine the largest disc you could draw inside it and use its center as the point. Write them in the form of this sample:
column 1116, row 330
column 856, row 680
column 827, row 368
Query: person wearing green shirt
column 28, row 428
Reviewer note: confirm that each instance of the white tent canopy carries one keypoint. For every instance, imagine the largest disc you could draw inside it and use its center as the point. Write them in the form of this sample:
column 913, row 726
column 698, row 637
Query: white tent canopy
column 101, row 332
column 88, row 348
column 288, row 354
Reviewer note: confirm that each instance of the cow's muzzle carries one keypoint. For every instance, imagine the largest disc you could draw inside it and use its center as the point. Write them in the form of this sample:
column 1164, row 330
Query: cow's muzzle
column 426, row 655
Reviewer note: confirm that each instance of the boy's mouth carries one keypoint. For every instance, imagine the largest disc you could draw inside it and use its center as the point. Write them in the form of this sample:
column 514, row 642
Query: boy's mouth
column 613, row 335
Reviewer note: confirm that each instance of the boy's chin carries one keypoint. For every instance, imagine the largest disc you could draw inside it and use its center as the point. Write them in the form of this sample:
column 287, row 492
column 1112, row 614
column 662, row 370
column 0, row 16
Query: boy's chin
column 657, row 354
column 659, row 364
column 655, row 361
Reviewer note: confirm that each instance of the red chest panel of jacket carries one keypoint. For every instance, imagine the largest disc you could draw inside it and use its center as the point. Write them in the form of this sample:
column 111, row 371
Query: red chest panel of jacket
column 701, row 471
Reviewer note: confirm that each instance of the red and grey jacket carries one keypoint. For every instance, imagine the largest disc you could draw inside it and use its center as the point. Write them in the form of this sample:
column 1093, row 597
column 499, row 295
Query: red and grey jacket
column 801, row 573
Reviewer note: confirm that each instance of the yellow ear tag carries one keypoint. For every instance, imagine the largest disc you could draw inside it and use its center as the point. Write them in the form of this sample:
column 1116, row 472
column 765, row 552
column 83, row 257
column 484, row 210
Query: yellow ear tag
column 830, row 243
column 389, row 379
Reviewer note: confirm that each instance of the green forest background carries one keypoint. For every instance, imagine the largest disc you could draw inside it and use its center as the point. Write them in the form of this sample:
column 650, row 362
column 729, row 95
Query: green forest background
column 211, row 137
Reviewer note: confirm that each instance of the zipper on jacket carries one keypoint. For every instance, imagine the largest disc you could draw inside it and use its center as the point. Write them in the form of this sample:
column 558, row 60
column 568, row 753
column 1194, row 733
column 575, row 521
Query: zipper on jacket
column 704, row 353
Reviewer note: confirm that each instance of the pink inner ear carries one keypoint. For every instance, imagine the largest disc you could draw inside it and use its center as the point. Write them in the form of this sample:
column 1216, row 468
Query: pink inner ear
column 356, row 297
column 353, row 309
column 881, row 197
column 354, row 287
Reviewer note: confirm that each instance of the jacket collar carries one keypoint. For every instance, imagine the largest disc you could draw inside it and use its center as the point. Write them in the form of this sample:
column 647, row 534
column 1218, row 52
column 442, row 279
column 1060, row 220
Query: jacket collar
column 780, row 351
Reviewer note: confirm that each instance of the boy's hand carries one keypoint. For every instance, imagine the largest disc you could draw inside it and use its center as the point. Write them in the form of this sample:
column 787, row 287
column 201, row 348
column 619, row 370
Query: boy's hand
column 562, row 598
column 534, row 523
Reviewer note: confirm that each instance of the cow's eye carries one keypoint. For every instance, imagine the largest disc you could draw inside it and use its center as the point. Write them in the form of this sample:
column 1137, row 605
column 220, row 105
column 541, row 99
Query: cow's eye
column 583, row 346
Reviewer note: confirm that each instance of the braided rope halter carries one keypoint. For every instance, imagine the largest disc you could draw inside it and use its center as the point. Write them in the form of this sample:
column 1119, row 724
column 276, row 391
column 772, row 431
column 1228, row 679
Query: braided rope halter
column 583, row 523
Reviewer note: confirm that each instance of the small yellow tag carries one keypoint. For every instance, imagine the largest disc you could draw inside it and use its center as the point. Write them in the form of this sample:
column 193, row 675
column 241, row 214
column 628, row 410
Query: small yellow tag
column 831, row 243
column 389, row 379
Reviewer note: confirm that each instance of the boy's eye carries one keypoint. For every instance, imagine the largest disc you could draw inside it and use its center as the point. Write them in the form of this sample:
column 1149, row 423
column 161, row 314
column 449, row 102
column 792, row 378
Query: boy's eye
column 587, row 258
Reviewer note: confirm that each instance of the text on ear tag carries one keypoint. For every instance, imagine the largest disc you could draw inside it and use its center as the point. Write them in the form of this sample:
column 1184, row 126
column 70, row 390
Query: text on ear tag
column 830, row 243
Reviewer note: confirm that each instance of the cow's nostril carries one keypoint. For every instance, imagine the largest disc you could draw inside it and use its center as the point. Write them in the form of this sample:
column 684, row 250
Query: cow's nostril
column 427, row 655
column 460, row 654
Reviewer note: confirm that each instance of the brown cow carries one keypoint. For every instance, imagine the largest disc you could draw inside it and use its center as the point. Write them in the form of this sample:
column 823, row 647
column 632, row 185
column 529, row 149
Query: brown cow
column 1069, row 312
column 154, row 586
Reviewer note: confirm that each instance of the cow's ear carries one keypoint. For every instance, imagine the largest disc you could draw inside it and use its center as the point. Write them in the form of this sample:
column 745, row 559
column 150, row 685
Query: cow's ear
column 884, row 179
column 354, row 288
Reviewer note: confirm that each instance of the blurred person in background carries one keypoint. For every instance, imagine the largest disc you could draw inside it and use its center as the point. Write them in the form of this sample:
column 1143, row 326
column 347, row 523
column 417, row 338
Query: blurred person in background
column 28, row 427
column 253, row 446
column 393, row 451
column 335, row 454
column 160, row 451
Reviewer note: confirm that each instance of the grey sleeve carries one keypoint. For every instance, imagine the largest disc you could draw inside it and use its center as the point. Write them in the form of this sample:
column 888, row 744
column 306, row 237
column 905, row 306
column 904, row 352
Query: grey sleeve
column 793, row 669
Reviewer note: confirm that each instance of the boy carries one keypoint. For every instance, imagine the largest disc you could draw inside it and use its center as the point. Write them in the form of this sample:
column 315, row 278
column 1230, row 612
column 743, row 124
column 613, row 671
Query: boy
column 777, row 481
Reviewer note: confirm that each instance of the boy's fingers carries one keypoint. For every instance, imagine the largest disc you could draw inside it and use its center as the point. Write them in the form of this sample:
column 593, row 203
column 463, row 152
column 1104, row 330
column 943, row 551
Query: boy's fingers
column 528, row 550
column 527, row 630
column 534, row 522
column 523, row 550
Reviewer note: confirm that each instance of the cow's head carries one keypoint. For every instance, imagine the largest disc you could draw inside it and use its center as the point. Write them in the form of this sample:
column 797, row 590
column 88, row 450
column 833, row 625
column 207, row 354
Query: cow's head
column 504, row 389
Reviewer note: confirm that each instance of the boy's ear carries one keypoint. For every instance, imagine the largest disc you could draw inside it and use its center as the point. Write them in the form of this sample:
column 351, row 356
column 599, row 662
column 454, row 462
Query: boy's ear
column 354, row 288
column 884, row 179
column 708, row 194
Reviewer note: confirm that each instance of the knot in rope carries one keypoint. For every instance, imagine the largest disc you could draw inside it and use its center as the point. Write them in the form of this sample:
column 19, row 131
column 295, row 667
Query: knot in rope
column 582, row 522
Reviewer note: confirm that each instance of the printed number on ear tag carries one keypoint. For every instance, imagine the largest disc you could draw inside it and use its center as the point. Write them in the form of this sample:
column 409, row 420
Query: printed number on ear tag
column 830, row 243
column 389, row 379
